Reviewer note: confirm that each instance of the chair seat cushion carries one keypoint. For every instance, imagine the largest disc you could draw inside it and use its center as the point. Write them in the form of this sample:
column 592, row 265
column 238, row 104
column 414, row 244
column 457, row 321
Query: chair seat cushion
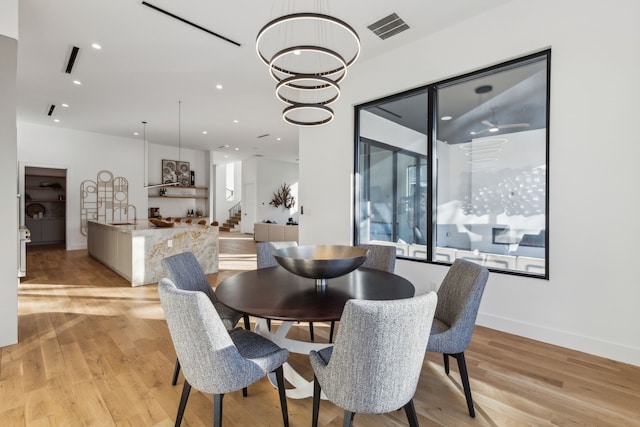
column 264, row 353
column 325, row 354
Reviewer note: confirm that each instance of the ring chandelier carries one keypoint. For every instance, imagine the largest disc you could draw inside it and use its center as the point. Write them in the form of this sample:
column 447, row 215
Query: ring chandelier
column 308, row 55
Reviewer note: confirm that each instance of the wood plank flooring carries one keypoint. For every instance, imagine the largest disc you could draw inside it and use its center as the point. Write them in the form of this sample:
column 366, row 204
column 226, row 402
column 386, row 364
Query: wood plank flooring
column 95, row 352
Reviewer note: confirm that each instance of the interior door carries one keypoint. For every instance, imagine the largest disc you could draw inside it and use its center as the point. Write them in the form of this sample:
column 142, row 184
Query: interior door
column 248, row 207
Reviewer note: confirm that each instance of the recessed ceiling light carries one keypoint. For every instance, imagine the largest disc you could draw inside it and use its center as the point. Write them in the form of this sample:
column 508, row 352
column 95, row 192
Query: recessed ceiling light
column 65, row 105
column 225, row 156
column 96, row 46
column 235, row 121
column 136, row 133
column 473, row 132
column 218, row 86
column 56, row 120
column 278, row 139
column 204, row 132
column 445, row 118
column 494, row 129
column 237, row 149
column 77, row 82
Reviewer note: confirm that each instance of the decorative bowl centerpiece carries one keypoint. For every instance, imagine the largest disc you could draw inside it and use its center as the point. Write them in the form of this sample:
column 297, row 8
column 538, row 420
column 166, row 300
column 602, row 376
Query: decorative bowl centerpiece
column 160, row 222
column 321, row 262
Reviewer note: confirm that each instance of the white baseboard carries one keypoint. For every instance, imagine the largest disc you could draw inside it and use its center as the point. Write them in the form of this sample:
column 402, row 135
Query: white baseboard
column 591, row 345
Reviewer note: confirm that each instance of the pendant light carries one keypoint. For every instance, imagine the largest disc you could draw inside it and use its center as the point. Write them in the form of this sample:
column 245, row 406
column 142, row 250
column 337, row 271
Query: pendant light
column 308, row 55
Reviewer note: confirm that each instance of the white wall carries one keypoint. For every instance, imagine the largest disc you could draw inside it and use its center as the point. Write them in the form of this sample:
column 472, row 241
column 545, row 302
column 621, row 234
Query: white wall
column 271, row 176
column 9, row 19
column 590, row 302
column 263, row 177
column 8, row 191
column 84, row 154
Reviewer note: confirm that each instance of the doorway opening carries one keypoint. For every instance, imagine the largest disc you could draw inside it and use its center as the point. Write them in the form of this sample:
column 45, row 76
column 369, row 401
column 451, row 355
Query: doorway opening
column 45, row 197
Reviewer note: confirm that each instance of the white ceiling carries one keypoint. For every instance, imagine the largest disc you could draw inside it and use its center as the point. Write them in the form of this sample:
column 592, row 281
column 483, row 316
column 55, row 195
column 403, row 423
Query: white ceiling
column 149, row 62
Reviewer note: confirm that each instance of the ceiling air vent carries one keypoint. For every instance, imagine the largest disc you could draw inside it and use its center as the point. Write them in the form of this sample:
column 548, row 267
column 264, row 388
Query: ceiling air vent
column 50, row 110
column 388, row 26
column 262, row 136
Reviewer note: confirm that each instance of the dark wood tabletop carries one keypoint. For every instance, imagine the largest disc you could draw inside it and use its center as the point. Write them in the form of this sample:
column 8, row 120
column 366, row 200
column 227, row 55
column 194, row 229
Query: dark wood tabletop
column 275, row 293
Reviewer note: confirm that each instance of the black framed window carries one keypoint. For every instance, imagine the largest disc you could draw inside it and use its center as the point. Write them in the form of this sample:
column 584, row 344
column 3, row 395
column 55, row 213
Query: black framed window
column 458, row 169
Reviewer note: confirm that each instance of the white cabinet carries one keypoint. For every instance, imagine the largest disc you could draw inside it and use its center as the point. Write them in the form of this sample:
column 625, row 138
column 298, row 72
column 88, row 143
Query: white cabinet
column 264, row 232
column 111, row 246
column 124, row 257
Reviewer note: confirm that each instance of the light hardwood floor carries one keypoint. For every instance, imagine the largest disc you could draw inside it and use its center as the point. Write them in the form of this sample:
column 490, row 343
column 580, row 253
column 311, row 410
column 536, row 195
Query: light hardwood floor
column 94, row 351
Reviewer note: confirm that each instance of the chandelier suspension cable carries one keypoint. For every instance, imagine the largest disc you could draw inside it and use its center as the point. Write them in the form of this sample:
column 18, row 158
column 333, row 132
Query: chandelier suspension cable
column 146, row 152
column 179, row 129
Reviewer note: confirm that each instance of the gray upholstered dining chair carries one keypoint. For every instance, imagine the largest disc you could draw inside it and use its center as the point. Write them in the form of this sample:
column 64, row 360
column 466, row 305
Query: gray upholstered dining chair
column 216, row 360
column 380, row 257
column 375, row 363
column 459, row 298
column 265, row 259
column 185, row 272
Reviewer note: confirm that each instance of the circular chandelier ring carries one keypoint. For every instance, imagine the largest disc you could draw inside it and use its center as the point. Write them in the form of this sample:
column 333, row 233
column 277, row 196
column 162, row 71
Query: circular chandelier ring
column 290, row 50
column 312, row 17
column 297, row 107
column 325, row 84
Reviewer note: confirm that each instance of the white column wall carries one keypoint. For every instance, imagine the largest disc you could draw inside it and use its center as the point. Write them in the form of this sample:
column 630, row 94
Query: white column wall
column 8, row 163
column 590, row 301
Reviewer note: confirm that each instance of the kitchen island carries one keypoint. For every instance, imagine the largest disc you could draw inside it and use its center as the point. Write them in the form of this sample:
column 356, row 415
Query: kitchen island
column 135, row 250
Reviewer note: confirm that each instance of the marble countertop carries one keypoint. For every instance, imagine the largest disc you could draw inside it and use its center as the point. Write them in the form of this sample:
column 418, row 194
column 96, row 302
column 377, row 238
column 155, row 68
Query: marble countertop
column 145, row 225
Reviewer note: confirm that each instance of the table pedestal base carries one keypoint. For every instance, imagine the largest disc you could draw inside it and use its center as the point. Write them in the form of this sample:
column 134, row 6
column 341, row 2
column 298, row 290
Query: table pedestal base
column 301, row 387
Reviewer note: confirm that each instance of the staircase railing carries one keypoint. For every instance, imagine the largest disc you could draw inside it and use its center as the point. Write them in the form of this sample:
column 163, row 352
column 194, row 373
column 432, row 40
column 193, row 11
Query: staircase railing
column 235, row 209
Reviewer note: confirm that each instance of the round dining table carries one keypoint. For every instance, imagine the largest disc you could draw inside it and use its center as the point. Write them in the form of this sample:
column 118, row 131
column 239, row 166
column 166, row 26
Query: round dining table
column 276, row 294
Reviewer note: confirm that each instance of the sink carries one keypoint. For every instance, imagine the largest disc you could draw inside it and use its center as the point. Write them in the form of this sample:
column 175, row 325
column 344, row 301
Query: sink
column 122, row 223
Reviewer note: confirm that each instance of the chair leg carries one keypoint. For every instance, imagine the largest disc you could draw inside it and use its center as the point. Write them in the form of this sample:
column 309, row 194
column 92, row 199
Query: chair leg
column 268, row 324
column 462, row 365
column 446, row 363
column 348, row 418
column 316, row 402
column 245, row 392
column 411, row 414
column 217, row 410
column 283, row 396
column 333, row 326
column 183, row 402
column 311, row 330
column 176, row 372
column 247, row 324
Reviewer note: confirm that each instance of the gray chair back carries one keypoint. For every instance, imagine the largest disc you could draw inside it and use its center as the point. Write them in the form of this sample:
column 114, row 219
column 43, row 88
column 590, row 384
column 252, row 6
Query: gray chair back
column 185, row 272
column 264, row 252
column 459, row 298
column 381, row 257
column 210, row 360
column 377, row 357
